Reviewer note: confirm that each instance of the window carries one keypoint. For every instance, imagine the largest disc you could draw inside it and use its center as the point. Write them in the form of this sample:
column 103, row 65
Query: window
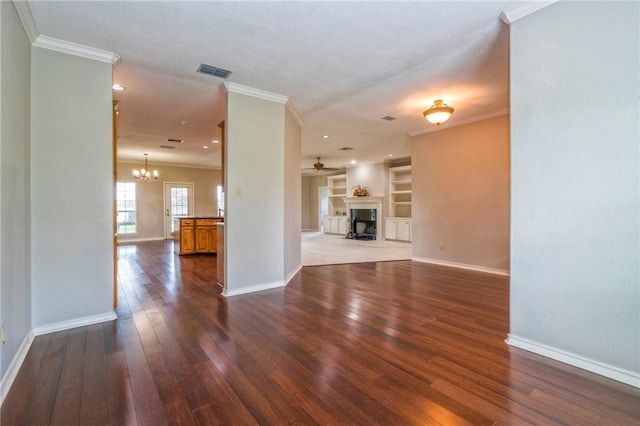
column 179, row 201
column 220, row 198
column 126, row 207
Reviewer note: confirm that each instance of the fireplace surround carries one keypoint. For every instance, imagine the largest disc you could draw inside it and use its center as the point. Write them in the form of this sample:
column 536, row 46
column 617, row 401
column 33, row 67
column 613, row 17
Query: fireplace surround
column 367, row 203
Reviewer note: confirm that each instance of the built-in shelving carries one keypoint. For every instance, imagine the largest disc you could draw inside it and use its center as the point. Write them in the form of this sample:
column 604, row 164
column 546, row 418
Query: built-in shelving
column 336, row 191
column 400, row 191
column 398, row 223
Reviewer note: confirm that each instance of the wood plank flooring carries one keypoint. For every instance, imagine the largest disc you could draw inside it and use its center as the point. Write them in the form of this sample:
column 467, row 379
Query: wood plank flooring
column 388, row 343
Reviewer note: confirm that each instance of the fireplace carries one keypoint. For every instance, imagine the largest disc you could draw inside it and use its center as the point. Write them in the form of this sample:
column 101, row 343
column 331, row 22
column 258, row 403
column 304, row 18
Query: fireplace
column 367, row 224
column 363, row 224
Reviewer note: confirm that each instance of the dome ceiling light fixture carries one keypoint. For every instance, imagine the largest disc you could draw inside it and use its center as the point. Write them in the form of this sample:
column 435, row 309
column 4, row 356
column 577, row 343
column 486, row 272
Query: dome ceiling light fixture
column 438, row 113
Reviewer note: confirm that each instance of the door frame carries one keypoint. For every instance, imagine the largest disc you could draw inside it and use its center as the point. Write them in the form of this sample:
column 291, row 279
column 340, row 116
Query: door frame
column 323, row 194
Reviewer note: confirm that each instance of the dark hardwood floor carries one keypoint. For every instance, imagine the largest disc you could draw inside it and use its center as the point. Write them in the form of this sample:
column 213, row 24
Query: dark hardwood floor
column 378, row 343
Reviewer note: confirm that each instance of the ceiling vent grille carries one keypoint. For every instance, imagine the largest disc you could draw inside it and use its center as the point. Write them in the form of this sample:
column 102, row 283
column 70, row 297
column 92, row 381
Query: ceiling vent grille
column 214, row 71
column 167, row 147
column 388, row 118
column 175, row 140
column 346, row 148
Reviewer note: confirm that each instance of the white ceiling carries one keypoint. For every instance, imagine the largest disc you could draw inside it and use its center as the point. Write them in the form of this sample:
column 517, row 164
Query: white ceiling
column 344, row 66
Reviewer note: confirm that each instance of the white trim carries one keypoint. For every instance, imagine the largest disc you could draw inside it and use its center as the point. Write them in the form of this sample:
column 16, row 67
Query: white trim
column 294, row 112
column 253, row 288
column 625, row 376
column 26, row 17
column 256, row 93
column 292, row 273
column 487, row 116
column 76, row 322
column 76, row 49
column 494, row 271
column 122, row 239
column 16, row 363
column 512, row 14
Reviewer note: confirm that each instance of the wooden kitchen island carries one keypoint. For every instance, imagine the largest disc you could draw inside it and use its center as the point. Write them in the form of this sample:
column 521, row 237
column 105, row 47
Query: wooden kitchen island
column 197, row 235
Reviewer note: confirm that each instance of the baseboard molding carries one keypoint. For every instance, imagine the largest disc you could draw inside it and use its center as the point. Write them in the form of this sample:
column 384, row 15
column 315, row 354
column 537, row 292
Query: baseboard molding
column 21, row 354
column 14, row 367
column 253, row 288
column 292, row 274
column 501, row 272
column 139, row 240
column 76, row 322
column 615, row 373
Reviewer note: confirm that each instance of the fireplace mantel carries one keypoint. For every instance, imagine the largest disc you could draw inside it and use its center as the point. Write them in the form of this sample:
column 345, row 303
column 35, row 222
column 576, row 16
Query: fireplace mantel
column 368, row 202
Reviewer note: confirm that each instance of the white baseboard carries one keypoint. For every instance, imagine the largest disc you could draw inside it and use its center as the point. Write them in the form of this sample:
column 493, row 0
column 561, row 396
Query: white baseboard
column 253, row 288
column 18, row 359
column 139, row 240
column 292, row 274
column 14, row 367
column 76, row 322
column 462, row 266
column 615, row 373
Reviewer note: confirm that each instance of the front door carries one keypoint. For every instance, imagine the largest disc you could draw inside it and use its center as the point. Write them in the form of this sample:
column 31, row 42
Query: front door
column 178, row 202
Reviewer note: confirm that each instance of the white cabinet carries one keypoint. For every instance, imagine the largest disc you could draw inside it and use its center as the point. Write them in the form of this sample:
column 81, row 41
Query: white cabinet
column 397, row 228
column 335, row 225
column 336, row 191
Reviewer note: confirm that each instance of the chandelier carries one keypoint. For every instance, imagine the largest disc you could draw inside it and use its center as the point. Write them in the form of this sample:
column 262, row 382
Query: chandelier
column 438, row 112
column 144, row 174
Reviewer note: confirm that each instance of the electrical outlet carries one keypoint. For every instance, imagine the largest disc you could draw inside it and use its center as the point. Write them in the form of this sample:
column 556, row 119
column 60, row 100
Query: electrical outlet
column 443, row 246
column 3, row 335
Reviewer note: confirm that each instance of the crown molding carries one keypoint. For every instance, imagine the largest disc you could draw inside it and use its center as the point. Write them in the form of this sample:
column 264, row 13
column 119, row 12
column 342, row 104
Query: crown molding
column 493, row 114
column 26, row 17
column 255, row 93
column 76, row 49
column 521, row 10
column 294, row 112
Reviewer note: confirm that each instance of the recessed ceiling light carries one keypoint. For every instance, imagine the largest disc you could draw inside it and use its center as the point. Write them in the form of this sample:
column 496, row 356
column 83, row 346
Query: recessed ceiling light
column 215, row 141
column 118, row 87
column 325, row 136
column 353, row 161
column 205, row 146
column 390, row 155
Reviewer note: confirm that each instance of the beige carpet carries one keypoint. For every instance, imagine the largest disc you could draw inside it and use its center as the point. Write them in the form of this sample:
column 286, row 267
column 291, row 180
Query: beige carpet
column 329, row 249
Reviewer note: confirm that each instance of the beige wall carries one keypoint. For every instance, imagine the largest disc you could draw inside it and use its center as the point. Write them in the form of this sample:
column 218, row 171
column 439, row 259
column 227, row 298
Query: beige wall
column 15, row 210
column 461, row 194
column 292, row 195
column 150, row 196
column 575, row 270
column 255, row 172
column 71, row 187
column 373, row 176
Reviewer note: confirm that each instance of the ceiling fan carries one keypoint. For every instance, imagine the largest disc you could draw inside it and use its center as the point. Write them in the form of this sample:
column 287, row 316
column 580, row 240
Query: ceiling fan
column 319, row 167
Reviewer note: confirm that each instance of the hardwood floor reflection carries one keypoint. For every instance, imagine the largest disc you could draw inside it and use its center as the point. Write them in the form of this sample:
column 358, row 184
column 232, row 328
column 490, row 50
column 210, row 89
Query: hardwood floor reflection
column 374, row 343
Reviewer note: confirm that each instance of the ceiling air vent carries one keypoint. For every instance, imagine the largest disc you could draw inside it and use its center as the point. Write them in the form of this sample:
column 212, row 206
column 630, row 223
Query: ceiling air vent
column 214, row 71
column 388, row 118
column 175, row 140
column 167, row 147
column 346, row 148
